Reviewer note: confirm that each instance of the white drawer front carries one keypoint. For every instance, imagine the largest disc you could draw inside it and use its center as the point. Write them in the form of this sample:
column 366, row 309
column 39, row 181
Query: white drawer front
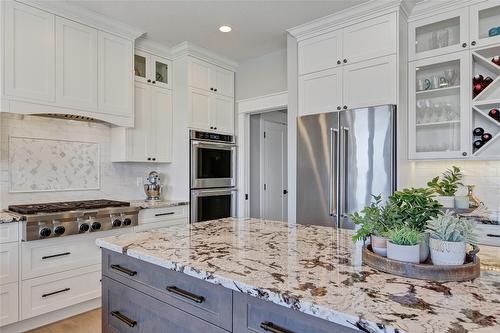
column 56, row 291
column 9, row 267
column 9, row 232
column 9, row 303
column 488, row 234
column 161, row 224
column 161, row 214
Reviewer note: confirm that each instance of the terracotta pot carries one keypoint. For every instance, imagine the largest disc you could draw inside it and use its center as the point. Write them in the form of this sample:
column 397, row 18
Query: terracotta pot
column 424, row 247
column 446, row 201
column 447, row 253
column 379, row 245
column 405, row 253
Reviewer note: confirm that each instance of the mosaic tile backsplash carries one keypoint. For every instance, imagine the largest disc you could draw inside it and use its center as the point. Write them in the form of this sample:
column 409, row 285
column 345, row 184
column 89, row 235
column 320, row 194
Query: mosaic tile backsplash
column 53, row 165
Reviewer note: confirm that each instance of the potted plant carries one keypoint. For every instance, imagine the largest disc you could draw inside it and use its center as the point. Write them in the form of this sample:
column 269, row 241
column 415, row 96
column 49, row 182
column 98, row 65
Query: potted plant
column 446, row 187
column 449, row 236
column 403, row 244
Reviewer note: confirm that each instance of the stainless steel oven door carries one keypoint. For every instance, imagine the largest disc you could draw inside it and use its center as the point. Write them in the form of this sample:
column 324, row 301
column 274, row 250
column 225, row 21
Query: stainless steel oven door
column 212, row 164
column 212, row 204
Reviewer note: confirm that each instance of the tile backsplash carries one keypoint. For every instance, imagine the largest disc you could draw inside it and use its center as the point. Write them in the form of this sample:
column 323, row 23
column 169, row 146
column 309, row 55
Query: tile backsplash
column 46, row 159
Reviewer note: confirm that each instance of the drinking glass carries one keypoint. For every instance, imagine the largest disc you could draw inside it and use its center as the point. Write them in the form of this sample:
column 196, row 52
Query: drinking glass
column 450, row 76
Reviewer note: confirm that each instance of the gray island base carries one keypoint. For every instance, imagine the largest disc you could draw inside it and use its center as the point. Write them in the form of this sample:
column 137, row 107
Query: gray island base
column 248, row 275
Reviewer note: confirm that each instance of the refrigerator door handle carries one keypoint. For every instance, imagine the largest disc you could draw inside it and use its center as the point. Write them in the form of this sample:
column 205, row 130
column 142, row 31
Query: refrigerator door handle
column 332, row 198
column 344, row 172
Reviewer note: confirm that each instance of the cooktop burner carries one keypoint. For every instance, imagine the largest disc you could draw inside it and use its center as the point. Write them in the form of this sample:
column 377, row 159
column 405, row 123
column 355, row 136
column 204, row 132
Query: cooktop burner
column 54, row 207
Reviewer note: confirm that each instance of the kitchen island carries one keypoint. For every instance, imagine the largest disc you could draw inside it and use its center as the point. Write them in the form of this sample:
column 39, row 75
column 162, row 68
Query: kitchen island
column 300, row 272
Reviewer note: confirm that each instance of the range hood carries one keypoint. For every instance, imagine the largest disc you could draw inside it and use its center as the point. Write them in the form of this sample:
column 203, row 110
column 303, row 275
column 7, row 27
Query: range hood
column 70, row 117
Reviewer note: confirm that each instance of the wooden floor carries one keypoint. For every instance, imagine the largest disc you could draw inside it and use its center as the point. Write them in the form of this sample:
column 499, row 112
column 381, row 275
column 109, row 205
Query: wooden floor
column 88, row 322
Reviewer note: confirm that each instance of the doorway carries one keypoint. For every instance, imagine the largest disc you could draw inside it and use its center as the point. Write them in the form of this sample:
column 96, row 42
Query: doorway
column 268, row 166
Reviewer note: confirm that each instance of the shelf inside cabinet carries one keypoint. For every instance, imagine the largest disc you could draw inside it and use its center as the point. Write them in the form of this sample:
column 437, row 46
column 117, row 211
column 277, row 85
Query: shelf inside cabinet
column 437, row 90
column 486, row 145
column 487, row 117
column 439, row 123
column 486, row 61
column 488, row 90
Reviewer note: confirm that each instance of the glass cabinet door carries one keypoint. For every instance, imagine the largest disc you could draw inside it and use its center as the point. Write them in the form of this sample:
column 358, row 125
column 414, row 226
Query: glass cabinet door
column 141, row 66
column 485, row 23
column 440, row 34
column 161, row 71
column 438, row 105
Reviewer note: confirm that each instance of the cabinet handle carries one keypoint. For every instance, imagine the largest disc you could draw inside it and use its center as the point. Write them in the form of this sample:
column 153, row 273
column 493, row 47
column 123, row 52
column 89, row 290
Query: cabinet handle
column 154, row 82
column 345, row 61
column 493, row 235
column 339, row 62
column 149, row 81
column 345, row 107
column 464, row 44
column 164, row 214
column 215, row 89
column 57, row 255
column 212, row 89
column 464, row 153
column 125, row 319
column 154, row 158
column 473, row 43
column 215, row 128
column 339, row 108
column 186, row 294
column 123, row 270
column 270, row 327
column 56, row 292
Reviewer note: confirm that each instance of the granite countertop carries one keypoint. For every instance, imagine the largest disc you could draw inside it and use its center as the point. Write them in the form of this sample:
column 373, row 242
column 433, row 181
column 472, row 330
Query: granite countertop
column 316, row 270
column 145, row 204
column 8, row 217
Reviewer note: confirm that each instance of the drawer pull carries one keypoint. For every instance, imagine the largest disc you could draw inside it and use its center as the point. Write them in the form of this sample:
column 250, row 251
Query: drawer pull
column 56, row 292
column 123, row 270
column 57, row 255
column 493, row 235
column 270, row 327
column 164, row 214
column 125, row 319
column 186, row 294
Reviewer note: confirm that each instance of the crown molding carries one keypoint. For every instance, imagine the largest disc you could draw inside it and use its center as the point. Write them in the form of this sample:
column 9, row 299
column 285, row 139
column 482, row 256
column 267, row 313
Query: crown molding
column 189, row 49
column 433, row 7
column 153, row 47
column 82, row 15
column 350, row 16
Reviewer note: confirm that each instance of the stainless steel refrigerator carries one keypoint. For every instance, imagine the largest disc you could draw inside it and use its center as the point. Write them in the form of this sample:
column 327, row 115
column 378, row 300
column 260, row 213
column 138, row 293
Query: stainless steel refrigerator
column 342, row 159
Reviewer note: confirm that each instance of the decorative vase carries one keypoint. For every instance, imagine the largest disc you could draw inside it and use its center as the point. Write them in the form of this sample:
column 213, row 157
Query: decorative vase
column 424, row 247
column 405, row 253
column 379, row 245
column 447, row 253
column 462, row 202
column 446, row 201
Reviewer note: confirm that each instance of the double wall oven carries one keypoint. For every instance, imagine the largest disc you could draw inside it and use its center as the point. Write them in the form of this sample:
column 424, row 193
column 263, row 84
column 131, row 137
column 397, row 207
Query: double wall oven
column 213, row 176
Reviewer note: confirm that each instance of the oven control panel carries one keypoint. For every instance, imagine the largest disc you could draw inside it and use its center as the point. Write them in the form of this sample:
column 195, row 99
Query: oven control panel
column 212, row 136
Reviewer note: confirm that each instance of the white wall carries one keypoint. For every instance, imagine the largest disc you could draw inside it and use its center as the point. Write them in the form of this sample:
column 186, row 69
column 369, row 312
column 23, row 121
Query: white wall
column 262, row 76
column 117, row 180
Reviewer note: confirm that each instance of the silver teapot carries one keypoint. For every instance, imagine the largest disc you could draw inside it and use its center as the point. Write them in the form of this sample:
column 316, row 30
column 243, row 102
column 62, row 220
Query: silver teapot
column 153, row 187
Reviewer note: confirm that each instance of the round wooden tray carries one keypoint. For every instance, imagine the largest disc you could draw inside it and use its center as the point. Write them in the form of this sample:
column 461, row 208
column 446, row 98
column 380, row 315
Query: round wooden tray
column 425, row 271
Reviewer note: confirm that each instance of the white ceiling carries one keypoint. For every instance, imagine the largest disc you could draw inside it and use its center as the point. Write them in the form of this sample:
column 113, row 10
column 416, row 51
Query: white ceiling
column 258, row 26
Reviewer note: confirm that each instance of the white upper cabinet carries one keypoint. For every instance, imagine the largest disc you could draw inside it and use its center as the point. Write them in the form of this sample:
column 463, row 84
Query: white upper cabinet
column 320, row 52
column 199, row 106
column 223, row 114
column 29, row 53
column 223, row 82
column 320, row 92
column 152, row 69
column 115, row 70
column 203, row 75
column 161, row 123
column 76, row 64
column 485, row 23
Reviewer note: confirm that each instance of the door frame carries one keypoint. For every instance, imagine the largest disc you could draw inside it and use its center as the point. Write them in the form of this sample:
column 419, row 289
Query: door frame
column 245, row 108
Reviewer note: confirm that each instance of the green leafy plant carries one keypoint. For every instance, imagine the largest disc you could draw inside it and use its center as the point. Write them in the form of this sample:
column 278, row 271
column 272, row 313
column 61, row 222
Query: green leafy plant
column 371, row 219
column 450, row 228
column 448, row 184
column 413, row 207
column 404, row 235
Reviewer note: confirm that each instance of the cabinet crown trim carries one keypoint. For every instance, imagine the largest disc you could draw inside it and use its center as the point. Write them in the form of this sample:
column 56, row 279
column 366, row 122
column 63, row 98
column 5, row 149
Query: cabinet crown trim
column 430, row 8
column 155, row 48
column 189, row 49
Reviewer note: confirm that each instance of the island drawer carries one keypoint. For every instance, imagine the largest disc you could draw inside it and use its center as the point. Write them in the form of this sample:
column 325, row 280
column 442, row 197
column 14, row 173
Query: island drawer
column 252, row 315
column 125, row 310
column 202, row 299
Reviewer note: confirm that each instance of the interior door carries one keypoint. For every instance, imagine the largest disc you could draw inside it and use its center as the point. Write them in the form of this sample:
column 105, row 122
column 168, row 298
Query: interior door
column 367, row 158
column 274, row 164
column 317, row 168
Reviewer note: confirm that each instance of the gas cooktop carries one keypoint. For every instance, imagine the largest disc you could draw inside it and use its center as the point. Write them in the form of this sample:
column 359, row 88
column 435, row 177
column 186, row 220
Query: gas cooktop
column 65, row 206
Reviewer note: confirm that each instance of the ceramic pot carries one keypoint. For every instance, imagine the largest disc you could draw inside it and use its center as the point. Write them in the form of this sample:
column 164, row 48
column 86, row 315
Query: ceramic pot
column 424, row 247
column 462, row 202
column 405, row 253
column 447, row 253
column 446, row 201
column 379, row 245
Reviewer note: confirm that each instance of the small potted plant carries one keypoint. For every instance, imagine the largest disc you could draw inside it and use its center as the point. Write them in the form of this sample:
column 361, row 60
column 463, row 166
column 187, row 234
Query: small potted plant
column 446, row 187
column 403, row 244
column 449, row 236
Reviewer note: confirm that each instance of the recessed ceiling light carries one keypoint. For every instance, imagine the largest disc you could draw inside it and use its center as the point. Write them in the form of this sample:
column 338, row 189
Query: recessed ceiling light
column 225, row 28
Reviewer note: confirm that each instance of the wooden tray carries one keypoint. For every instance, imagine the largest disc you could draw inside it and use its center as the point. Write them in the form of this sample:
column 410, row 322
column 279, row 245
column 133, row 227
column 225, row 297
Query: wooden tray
column 425, row 271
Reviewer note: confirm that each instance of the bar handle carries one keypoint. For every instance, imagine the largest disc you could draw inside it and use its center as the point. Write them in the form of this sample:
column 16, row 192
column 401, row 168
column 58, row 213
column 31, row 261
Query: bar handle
column 123, row 318
column 57, row 255
column 332, row 199
column 345, row 162
column 493, row 235
column 270, row 327
column 56, row 292
column 186, row 294
column 164, row 214
column 123, row 270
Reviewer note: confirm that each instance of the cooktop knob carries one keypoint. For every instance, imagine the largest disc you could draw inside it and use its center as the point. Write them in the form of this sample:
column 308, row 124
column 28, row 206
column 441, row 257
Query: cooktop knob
column 45, row 232
column 84, row 227
column 59, row 230
column 127, row 221
column 96, row 226
column 117, row 223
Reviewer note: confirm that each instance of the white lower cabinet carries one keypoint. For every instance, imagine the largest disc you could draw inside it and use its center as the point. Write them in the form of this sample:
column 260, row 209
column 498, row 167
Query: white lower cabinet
column 60, row 290
column 9, row 259
column 9, row 232
column 9, row 303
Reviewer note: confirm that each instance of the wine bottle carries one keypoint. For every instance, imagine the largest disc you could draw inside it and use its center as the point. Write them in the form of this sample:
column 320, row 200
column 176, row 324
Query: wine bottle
column 487, row 81
column 496, row 60
column 478, row 131
column 476, row 90
column 477, row 79
column 486, row 137
column 478, row 144
column 495, row 114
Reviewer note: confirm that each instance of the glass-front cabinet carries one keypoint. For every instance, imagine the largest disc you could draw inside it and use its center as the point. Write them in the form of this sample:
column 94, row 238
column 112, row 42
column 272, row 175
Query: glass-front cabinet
column 439, row 94
column 151, row 69
column 485, row 23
